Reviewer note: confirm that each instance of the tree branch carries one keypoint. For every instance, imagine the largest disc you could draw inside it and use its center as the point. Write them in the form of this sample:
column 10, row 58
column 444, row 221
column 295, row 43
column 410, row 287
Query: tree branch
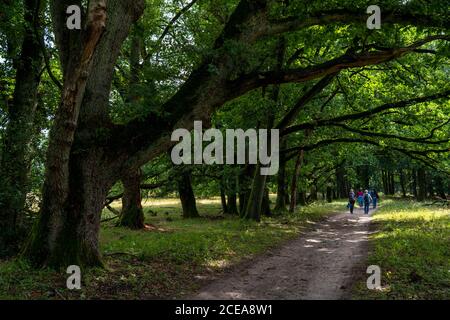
column 259, row 79
column 350, row 15
column 365, row 114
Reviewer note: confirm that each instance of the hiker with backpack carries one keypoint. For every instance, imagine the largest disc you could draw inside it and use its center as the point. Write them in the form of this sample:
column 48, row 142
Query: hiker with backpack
column 351, row 200
column 367, row 201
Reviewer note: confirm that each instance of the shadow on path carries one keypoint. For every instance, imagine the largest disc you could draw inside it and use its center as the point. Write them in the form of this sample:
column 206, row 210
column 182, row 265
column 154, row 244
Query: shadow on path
column 323, row 263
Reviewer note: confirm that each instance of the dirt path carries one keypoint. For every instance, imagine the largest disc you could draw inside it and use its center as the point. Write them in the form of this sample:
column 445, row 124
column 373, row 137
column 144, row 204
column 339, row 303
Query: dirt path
column 322, row 263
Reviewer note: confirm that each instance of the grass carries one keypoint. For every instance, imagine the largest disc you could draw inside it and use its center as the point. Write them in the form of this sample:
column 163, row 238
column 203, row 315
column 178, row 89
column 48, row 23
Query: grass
column 412, row 248
column 170, row 260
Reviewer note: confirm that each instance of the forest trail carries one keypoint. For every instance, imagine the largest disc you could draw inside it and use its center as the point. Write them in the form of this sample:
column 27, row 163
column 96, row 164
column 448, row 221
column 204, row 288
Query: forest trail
column 323, row 263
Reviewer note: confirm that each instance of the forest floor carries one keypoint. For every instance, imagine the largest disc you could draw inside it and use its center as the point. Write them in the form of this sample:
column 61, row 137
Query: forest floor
column 171, row 259
column 317, row 252
column 322, row 263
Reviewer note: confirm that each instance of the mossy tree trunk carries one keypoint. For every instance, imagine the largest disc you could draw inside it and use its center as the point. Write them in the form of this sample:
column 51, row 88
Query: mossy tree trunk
column 79, row 175
column 187, row 197
column 132, row 215
column 255, row 198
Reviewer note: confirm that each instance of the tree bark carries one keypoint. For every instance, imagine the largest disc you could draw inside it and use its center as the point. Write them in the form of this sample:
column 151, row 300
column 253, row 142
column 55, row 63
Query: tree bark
column 231, row 196
column 256, row 201
column 414, row 183
column 329, row 195
column 440, row 188
column 255, row 197
column 132, row 215
column 265, row 206
column 422, row 183
column 301, row 198
column 313, row 195
column 340, row 181
column 245, row 180
column 280, row 205
column 223, row 199
column 392, row 182
column 15, row 160
column 294, row 184
column 232, row 204
column 187, row 196
column 402, row 182
column 78, row 176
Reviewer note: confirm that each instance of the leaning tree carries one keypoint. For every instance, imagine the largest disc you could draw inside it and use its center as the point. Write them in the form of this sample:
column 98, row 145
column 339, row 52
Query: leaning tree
column 88, row 152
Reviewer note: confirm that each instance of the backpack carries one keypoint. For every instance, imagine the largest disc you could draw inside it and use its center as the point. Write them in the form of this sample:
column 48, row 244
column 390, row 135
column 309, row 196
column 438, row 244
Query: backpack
column 351, row 196
column 367, row 198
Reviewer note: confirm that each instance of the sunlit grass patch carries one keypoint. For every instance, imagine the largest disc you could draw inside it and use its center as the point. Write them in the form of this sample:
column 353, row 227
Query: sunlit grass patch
column 412, row 249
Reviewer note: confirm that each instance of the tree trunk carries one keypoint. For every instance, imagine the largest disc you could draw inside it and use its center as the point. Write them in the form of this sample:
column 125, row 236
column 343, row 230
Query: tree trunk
column 430, row 187
column 132, row 215
column 231, row 198
column 280, row 205
column 254, row 201
column 301, row 198
column 414, row 183
column 245, row 180
column 392, row 182
column 232, row 204
column 68, row 235
column 329, row 194
column 340, row 182
column 187, row 196
column 286, row 192
column 15, row 161
column 313, row 195
column 383, row 178
column 78, row 177
column 265, row 206
column 403, row 183
column 294, row 184
column 223, row 199
column 440, row 187
column 421, row 179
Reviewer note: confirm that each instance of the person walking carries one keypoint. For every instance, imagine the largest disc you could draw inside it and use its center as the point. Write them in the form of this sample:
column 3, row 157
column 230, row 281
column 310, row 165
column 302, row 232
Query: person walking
column 351, row 200
column 375, row 198
column 360, row 196
column 367, row 201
